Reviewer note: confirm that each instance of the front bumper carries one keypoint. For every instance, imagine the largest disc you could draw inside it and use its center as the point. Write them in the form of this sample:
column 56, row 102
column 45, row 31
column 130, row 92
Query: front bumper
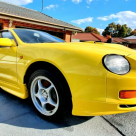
column 91, row 108
column 112, row 104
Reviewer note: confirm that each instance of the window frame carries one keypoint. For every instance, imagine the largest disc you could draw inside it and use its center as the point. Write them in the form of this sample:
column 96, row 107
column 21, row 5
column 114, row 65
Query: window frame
column 39, row 31
column 11, row 34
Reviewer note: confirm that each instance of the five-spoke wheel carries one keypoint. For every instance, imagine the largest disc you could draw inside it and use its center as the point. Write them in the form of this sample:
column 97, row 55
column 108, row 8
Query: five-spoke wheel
column 48, row 94
column 44, row 95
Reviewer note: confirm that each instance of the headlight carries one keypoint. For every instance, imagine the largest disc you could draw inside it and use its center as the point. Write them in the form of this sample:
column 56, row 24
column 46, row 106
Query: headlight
column 116, row 64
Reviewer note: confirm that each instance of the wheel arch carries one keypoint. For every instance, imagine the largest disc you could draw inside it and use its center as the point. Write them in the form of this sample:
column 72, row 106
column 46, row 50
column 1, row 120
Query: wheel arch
column 49, row 67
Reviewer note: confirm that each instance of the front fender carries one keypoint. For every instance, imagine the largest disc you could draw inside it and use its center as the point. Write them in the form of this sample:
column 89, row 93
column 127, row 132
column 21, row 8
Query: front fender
column 83, row 70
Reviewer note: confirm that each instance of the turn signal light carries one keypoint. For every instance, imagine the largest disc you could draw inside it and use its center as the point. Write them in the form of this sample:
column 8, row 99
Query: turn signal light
column 127, row 94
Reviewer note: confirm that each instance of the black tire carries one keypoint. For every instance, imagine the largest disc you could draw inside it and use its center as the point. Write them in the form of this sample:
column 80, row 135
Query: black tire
column 64, row 105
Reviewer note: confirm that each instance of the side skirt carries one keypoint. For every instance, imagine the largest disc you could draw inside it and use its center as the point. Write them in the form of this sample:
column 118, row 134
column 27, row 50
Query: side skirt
column 19, row 91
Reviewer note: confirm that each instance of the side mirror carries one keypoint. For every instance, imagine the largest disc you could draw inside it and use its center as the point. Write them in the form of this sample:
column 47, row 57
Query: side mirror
column 6, row 42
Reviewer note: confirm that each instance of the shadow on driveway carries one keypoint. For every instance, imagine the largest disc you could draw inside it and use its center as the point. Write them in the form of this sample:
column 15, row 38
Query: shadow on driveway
column 17, row 112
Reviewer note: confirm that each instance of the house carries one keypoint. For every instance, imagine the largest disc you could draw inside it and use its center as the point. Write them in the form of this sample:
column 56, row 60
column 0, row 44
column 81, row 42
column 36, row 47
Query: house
column 89, row 37
column 82, row 37
column 130, row 37
column 120, row 40
column 12, row 16
column 131, row 41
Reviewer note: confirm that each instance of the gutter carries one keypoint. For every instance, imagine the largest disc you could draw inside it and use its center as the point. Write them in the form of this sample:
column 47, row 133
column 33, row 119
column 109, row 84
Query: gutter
column 34, row 21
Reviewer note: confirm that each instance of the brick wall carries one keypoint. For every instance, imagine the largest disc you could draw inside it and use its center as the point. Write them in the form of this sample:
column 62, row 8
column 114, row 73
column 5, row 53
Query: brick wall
column 5, row 23
column 66, row 36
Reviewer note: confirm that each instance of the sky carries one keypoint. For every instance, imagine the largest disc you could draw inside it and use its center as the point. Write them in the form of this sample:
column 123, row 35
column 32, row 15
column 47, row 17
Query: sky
column 83, row 13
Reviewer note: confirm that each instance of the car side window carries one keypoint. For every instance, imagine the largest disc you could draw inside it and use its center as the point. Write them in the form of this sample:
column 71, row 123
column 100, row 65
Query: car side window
column 7, row 35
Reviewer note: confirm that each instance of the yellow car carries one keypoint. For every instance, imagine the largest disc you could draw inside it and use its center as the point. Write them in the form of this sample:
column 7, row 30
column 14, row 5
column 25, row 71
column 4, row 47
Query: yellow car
column 86, row 79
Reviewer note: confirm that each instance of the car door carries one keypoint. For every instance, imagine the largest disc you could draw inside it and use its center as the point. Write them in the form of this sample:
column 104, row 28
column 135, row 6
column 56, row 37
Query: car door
column 8, row 68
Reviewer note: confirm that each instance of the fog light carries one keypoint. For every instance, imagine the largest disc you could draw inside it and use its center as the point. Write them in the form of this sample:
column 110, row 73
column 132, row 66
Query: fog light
column 127, row 94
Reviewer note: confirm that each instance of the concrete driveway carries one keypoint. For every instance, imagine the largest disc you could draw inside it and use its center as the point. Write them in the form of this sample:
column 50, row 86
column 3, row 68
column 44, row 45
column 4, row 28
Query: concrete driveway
column 18, row 118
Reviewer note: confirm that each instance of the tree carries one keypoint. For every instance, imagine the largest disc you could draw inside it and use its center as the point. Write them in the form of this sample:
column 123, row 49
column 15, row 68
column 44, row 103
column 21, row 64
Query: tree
column 133, row 32
column 113, row 28
column 90, row 29
column 117, row 30
column 105, row 31
column 129, row 31
column 118, row 27
column 123, row 31
column 96, row 31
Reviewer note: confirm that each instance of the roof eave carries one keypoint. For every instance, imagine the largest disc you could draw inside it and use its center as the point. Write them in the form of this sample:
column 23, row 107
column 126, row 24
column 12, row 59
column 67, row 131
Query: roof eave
column 38, row 21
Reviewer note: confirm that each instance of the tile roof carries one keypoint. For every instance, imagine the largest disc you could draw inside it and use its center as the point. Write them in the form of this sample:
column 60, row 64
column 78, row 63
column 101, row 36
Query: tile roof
column 119, row 40
column 130, row 37
column 19, row 11
column 104, row 39
column 131, row 40
column 101, row 38
column 96, row 37
column 85, row 37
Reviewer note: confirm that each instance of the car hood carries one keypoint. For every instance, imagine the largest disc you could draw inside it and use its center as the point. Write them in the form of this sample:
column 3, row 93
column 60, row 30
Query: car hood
column 88, row 47
column 106, row 48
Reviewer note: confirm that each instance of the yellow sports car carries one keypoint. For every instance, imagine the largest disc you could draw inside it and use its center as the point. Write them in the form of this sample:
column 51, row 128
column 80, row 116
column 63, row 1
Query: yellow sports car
column 83, row 78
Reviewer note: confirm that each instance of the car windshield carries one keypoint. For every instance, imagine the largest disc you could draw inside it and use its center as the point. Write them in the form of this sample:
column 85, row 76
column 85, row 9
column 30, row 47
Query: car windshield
column 34, row 36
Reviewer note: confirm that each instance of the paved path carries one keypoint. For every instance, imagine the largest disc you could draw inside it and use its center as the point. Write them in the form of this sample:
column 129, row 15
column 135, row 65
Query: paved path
column 18, row 118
